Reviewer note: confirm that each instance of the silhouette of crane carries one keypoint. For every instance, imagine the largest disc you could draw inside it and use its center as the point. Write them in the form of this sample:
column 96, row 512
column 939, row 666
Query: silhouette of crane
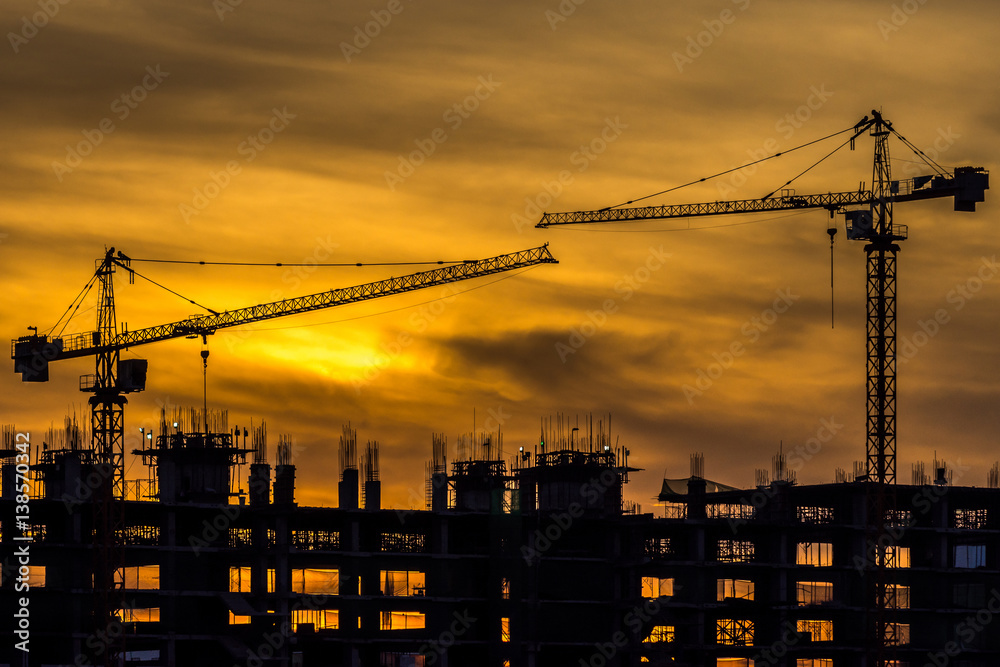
column 872, row 222
column 115, row 377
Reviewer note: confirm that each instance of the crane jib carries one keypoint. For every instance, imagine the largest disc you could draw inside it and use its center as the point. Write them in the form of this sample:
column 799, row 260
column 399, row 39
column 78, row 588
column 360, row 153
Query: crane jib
column 32, row 354
column 967, row 185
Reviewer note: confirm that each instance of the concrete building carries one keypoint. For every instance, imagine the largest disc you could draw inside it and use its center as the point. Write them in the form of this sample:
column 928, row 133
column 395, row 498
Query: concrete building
column 531, row 560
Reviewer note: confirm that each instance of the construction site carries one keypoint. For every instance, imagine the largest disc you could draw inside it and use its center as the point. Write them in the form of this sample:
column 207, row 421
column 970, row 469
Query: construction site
column 528, row 556
column 528, row 559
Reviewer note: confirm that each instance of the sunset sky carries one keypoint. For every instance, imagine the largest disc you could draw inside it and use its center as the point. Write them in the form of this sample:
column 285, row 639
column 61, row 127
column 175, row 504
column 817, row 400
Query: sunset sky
column 409, row 131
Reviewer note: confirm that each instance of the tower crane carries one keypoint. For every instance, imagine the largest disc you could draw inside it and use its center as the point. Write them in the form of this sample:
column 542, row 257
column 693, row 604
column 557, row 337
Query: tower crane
column 115, row 377
column 869, row 218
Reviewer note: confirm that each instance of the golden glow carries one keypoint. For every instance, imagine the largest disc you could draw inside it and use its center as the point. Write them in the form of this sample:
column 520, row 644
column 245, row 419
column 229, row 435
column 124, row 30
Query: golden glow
column 36, row 576
column 734, row 588
column 401, row 583
column 813, row 592
column 401, row 620
column 322, row 619
column 654, row 587
column 319, row 193
column 734, row 632
column 139, row 615
column 142, row 577
column 315, row 581
column 238, row 620
column 660, row 634
column 822, row 631
column 239, row 580
column 819, row 554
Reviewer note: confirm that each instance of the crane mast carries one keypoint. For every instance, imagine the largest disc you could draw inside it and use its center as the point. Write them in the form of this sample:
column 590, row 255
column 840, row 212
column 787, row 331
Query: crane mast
column 873, row 223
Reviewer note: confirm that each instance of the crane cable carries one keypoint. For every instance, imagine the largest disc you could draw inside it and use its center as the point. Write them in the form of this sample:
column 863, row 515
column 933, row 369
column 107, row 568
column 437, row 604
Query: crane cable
column 78, row 301
column 204, row 263
column 789, row 182
column 729, row 171
column 928, row 160
column 191, row 301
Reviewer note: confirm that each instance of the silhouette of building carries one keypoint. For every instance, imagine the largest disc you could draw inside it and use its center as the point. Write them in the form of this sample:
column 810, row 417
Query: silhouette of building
column 530, row 560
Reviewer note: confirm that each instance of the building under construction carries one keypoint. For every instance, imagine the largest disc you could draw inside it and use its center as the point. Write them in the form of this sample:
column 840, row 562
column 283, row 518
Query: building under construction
column 529, row 558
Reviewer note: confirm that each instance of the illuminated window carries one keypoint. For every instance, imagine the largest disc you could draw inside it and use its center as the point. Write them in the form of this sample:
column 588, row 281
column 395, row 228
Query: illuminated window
column 814, row 514
column 897, row 634
column 271, row 581
column 821, row 631
column 734, row 632
column 322, row 619
column 898, row 556
column 402, row 620
column 814, row 662
column 975, row 519
column 813, row 592
column 315, row 581
column 505, row 588
column 735, row 551
column 733, row 662
column 238, row 620
column 505, row 629
column 316, row 540
column 734, row 588
column 654, row 587
column 660, row 634
column 239, row 580
column 819, row 554
column 970, row 555
column 897, row 596
column 139, row 615
column 240, row 538
column 142, row 577
column 404, row 542
column 36, row 576
column 402, row 659
column 401, row 583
